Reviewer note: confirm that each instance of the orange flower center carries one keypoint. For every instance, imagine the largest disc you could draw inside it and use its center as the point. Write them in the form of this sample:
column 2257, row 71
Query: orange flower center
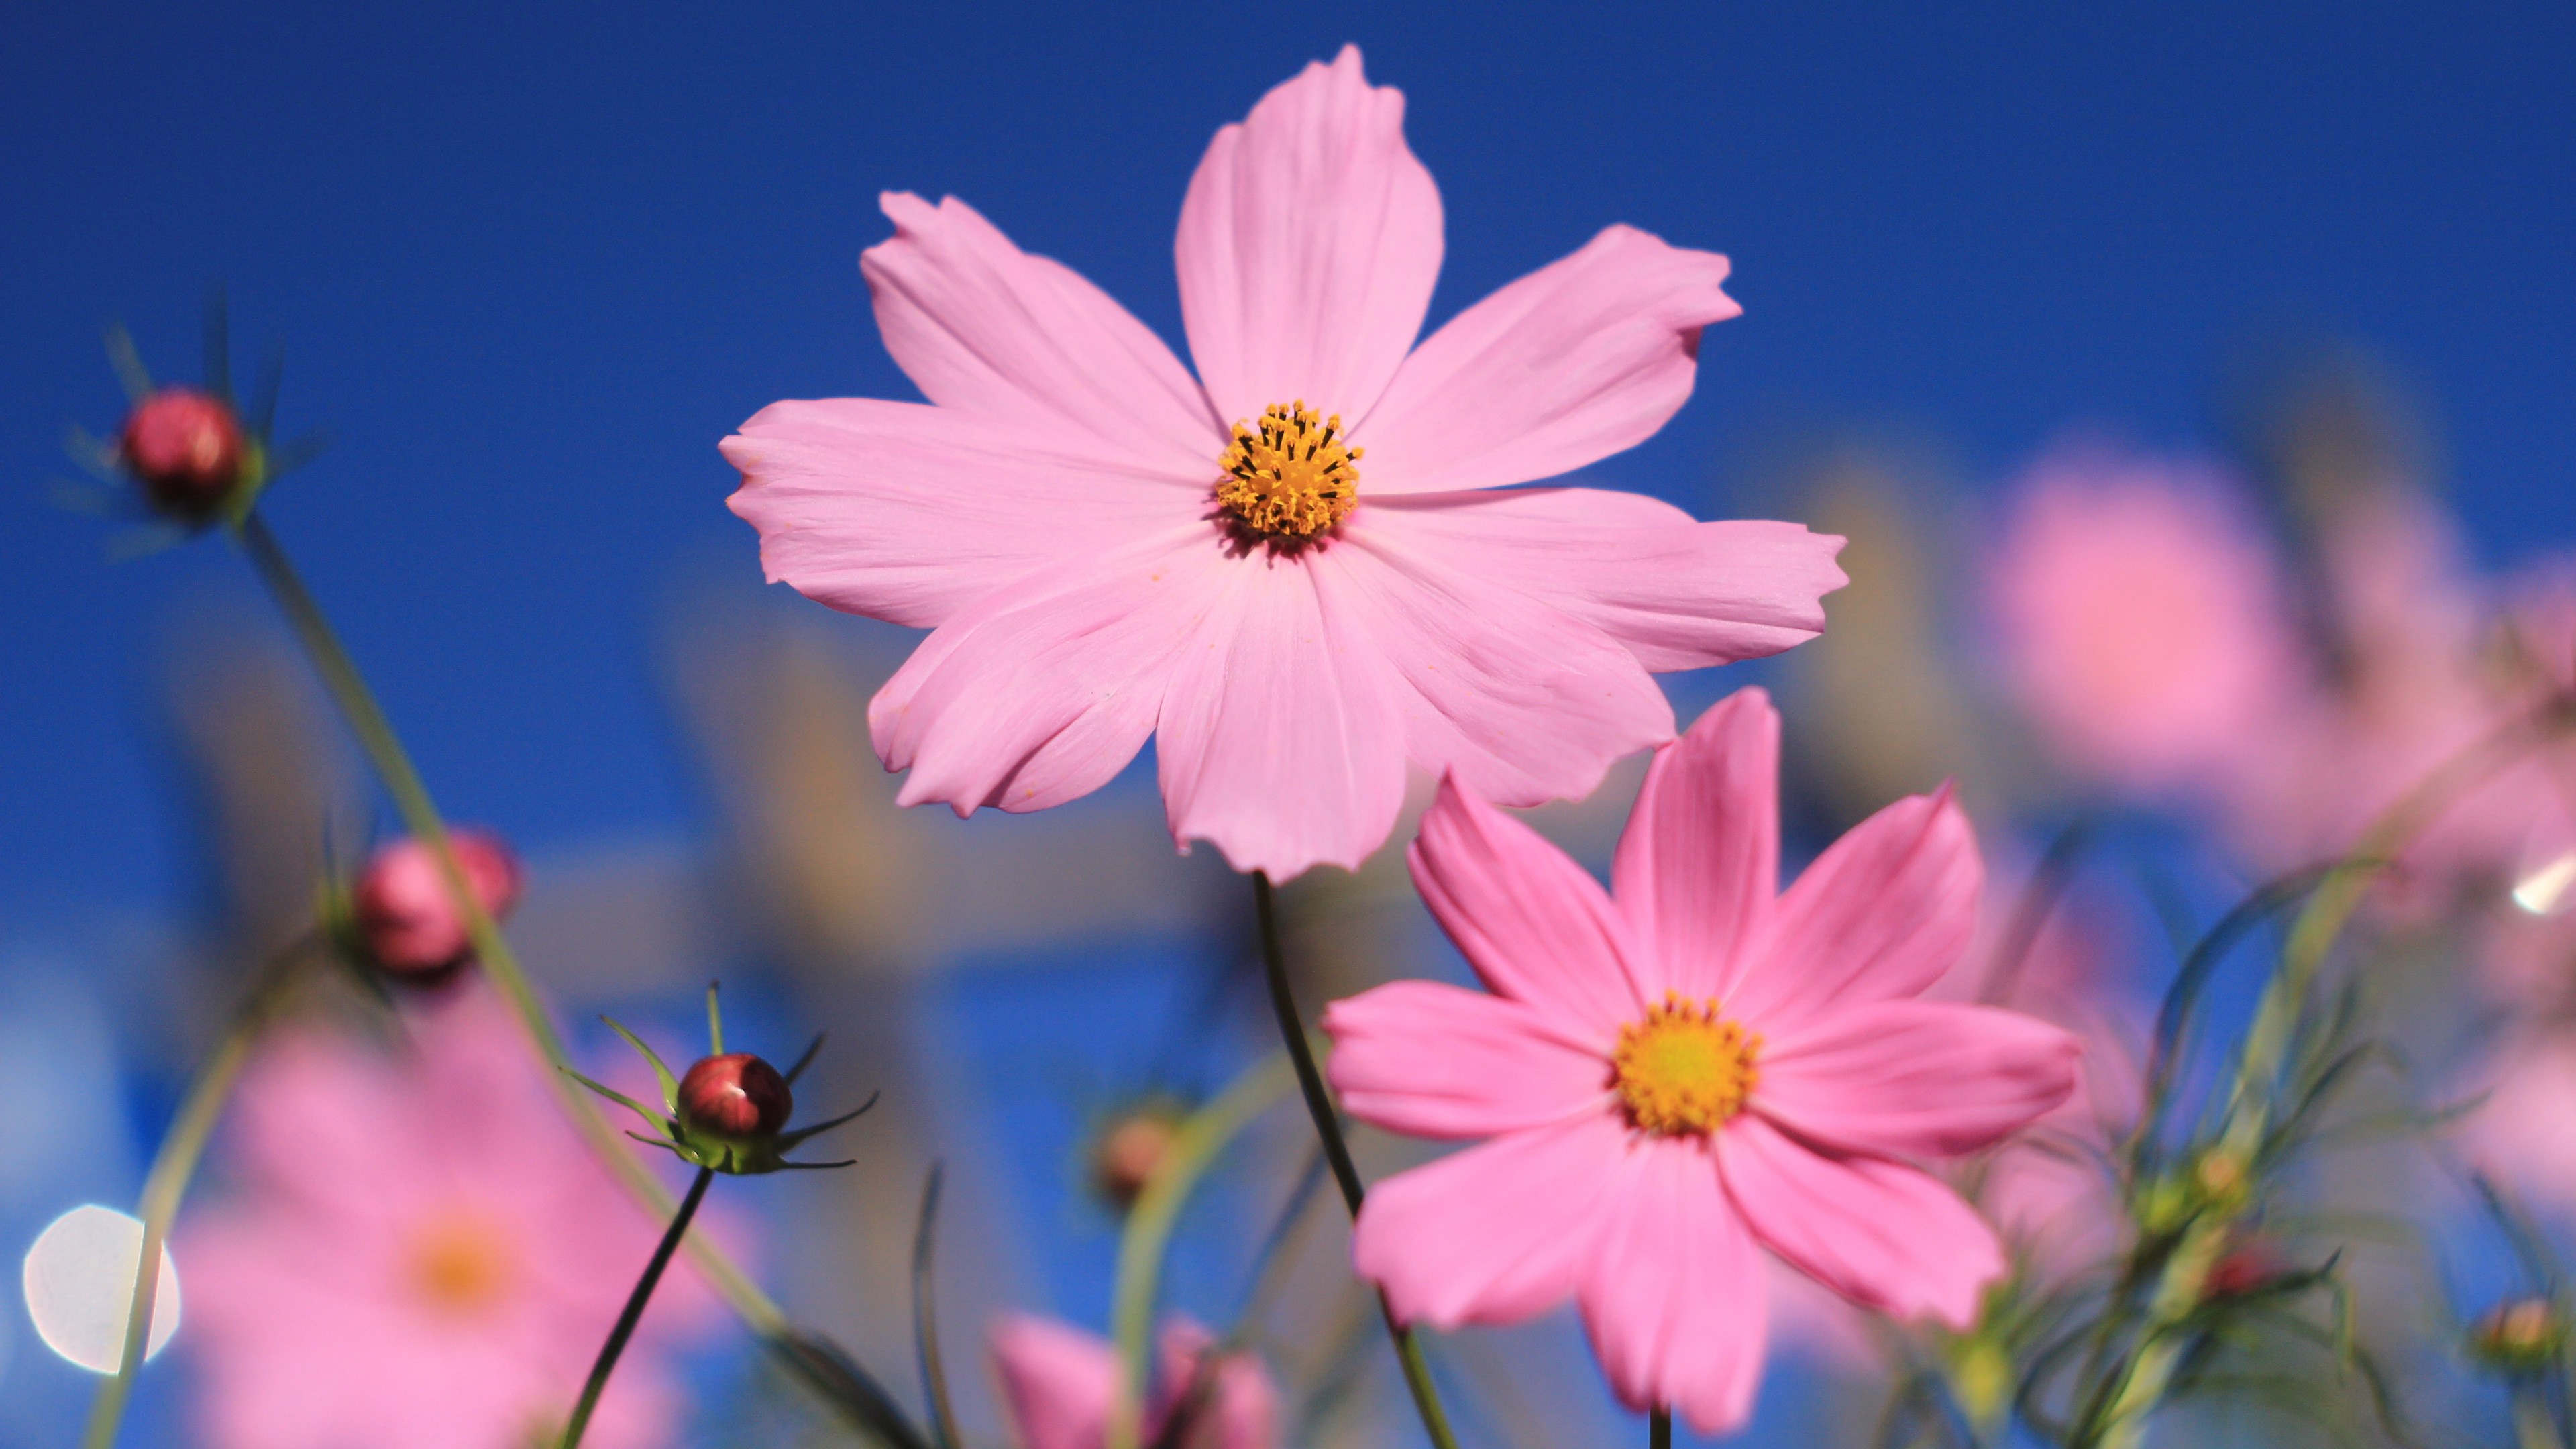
column 462, row 1265
column 1684, row 1070
column 1291, row 478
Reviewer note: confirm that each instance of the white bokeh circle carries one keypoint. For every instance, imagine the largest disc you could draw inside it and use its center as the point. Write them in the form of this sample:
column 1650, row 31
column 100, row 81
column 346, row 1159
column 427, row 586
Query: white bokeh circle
column 80, row 1287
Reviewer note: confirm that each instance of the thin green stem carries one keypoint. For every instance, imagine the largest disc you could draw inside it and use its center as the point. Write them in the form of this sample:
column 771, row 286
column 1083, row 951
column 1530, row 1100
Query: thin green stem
column 1195, row 1145
column 634, row 1310
column 174, row 1164
column 1659, row 1428
column 2532, row 1426
column 1337, row 1151
column 392, row 764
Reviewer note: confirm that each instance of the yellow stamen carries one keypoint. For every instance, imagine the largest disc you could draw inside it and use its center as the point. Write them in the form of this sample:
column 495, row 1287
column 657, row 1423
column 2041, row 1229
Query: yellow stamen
column 462, row 1265
column 1684, row 1070
column 1291, row 478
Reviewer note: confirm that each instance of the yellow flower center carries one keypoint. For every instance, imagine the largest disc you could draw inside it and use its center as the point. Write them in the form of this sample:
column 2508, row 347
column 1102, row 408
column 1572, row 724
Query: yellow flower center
column 1684, row 1070
column 1291, row 478
column 461, row 1264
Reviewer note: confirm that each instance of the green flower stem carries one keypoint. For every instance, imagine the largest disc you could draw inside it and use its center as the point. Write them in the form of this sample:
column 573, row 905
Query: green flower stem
column 634, row 1311
column 174, row 1163
column 492, row 950
column 1195, row 1146
column 2119, row 1415
column 2532, row 1426
column 1337, row 1151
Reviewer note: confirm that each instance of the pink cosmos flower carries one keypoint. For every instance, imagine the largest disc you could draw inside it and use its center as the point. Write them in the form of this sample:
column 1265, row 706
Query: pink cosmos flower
column 1297, row 570
column 2142, row 617
column 1686, row 1066
column 1058, row 1383
column 422, row 1255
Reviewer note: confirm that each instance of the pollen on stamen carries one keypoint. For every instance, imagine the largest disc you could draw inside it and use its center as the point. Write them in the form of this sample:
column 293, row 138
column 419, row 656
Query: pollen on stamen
column 1291, row 478
column 1684, row 1070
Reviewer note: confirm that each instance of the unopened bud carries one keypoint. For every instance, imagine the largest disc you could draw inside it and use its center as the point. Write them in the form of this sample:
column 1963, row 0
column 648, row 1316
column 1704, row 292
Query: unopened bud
column 1131, row 1150
column 2522, row 1336
column 185, row 448
column 403, row 911
column 2250, row 1265
column 736, row 1096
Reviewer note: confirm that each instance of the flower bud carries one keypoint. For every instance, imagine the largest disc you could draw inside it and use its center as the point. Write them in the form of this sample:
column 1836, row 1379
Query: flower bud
column 405, row 917
column 185, row 448
column 736, row 1095
column 1128, row 1153
column 2250, row 1265
column 2521, row 1336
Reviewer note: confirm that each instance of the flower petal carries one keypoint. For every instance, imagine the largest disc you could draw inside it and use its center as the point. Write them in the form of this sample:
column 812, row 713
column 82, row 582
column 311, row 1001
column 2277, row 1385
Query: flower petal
column 1057, row 1381
column 1275, row 741
column 1679, row 593
column 1432, row 1060
column 1673, row 1296
column 1881, row 1234
column 1583, row 358
column 1043, row 690
column 1524, row 703
column 1908, row 1078
column 1881, row 914
column 1024, row 341
column 909, row 513
column 1699, row 862
column 1535, row 927
column 1496, row 1233
column 1239, row 1410
column 1309, row 243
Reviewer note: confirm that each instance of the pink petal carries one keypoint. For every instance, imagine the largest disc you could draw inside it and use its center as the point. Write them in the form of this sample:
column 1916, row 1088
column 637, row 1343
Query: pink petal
column 1533, row 924
column 1583, row 358
column 909, row 513
column 1275, row 740
column 1044, row 690
column 1522, row 702
column 1308, row 246
column 1673, row 1296
column 1881, row 914
column 1242, row 1407
column 1024, row 342
column 1699, row 862
column 1881, row 1234
column 1908, row 1078
column 1680, row 594
column 1432, row 1060
column 1057, row 1381
column 1496, row 1233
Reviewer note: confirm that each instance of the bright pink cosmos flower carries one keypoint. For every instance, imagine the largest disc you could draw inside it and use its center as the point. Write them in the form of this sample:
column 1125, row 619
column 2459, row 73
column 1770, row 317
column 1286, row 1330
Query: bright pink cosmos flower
column 1058, row 1383
column 1296, row 571
column 2143, row 618
column 1686, row 1066
column 423, row 1253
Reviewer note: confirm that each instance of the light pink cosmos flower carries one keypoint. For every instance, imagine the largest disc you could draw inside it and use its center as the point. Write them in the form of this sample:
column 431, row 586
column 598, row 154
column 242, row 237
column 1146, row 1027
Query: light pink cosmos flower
column 1298, row 570
column 409, row 921
column 423, row 1254
column 2142, row 616
column 1686, row 1066
column 1058, row 1383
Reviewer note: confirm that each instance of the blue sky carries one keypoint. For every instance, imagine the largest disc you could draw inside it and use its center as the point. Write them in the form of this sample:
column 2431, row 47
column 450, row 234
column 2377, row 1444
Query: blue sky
column 529, row 263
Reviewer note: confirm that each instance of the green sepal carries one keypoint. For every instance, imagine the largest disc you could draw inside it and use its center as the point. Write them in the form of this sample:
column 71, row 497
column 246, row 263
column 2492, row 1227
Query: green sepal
column 670, row 1084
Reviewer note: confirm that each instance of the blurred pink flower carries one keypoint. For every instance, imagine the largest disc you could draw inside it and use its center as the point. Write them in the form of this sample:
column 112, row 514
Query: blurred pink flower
column 1694, row 1064
column 1058, row 1383
column 422, row 1254
column 1294, row 601
column 2525, row 1133
column 2141, row 616
column 403, row 909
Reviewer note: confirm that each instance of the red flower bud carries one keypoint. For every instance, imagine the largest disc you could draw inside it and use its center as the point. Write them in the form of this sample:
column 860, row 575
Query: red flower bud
column 185, row 448
column 734, row 1095
column 407, row 919
column 1129, row 1152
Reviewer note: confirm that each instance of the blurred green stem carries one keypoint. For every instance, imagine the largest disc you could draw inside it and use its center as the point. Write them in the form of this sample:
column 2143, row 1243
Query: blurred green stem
column 492, row 951
column 1337, row 1151
column 174, row 1164
column 633, row 1313
column 2532, row 1426
column 1149, row 1227
column 2118, row 1412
